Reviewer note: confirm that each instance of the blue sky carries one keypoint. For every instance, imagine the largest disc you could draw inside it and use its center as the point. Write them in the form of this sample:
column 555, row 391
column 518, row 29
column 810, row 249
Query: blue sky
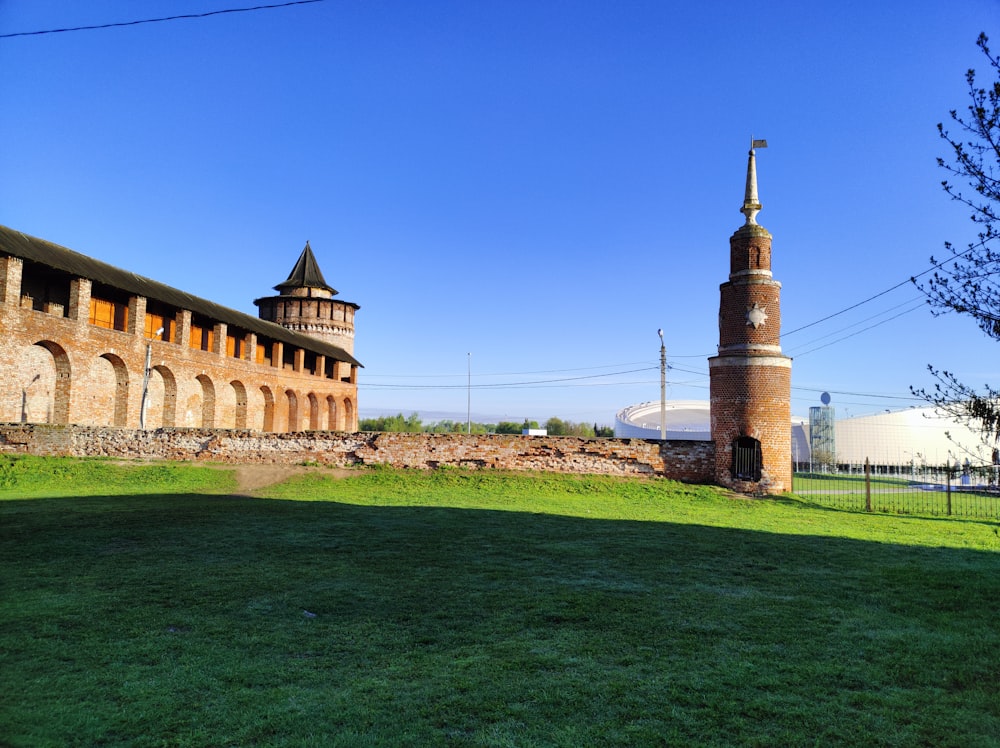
column 540, row 184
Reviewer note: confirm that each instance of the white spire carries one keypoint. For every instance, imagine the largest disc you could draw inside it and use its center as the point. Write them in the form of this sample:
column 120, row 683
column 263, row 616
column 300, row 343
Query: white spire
column 751, row 203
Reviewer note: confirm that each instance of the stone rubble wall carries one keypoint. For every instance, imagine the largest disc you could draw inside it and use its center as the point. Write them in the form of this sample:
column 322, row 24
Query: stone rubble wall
column 688, row 461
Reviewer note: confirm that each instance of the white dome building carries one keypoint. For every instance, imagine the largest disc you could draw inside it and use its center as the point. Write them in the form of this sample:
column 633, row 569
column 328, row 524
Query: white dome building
column 686, row 419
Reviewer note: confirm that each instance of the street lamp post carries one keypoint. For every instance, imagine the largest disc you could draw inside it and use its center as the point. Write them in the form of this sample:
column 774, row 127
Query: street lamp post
column 145, row 381
column 663, row 386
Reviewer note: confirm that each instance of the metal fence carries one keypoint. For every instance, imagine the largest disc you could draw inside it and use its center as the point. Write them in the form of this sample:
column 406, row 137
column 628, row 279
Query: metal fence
column 948, row 490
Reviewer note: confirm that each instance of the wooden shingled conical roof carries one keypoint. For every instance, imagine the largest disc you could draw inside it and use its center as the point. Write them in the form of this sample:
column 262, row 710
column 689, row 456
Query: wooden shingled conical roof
column 305, row 274
column 306, row 305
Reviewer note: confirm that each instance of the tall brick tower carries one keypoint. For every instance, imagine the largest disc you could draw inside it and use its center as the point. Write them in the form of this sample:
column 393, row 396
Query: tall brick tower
column 750, row 379
column 306, row 305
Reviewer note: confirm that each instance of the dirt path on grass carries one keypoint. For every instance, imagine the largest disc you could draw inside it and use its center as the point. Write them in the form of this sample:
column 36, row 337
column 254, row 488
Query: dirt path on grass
column 249, row 478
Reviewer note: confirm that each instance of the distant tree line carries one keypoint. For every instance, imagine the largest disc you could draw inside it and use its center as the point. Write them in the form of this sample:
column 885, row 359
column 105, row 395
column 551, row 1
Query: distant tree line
column 414, row 425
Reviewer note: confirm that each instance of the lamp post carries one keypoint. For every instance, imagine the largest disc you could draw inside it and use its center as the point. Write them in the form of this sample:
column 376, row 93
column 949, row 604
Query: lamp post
column 663, row 386
column 468, row 395
column 145, row 381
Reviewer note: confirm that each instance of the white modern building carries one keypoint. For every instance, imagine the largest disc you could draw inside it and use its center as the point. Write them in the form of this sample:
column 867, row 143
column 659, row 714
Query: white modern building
column 686, row 419
column 917, row 436
column 912, row 436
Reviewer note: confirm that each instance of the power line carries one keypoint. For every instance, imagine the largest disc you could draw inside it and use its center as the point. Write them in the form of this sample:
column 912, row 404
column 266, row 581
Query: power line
column 575, row 382
column 160, row 20
column 512, row 373
column 504, row 385
column 915, row 305
column 911, row 279
column 853, row 334
column 853, row 306
column 873, row 395
column 783, row 336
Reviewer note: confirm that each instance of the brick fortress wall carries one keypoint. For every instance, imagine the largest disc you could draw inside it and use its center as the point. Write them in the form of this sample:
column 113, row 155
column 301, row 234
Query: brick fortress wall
column 688, row 461
column 58, row 367
column 54, row 369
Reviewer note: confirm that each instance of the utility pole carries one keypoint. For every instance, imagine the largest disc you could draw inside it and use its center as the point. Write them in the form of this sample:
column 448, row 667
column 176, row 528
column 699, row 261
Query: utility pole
column 663, row 386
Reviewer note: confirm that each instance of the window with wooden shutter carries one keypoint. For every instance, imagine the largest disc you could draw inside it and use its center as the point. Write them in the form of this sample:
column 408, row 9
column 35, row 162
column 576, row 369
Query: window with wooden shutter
column 102, row 313
column 153, row 323
column 234, row 346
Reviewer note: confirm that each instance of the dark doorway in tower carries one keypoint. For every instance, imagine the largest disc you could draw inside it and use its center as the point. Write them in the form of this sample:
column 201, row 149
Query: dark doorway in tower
column 747, row 460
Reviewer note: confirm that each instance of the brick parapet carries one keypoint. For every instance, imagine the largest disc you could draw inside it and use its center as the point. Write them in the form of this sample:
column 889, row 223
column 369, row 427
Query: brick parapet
column 10, row 279
column 323, row 318
column 688, row 461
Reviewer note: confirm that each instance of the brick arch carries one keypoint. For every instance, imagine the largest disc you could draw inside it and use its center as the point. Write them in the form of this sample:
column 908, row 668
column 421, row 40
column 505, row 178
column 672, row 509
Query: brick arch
column 293, row 410
column 349, row 415
column 331, row 413
column 313, row 411
column 56, row 407
column 241, row 403
column 119, row 418
column 207, row 401
column 268, row 396
column 169, row 402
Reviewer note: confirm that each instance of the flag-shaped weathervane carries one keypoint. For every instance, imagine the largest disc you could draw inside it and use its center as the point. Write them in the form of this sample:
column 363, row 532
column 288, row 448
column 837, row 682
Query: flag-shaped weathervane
column 751, row 203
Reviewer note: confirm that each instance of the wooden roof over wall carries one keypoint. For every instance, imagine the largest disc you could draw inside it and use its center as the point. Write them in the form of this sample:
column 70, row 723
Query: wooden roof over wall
column 46, row 253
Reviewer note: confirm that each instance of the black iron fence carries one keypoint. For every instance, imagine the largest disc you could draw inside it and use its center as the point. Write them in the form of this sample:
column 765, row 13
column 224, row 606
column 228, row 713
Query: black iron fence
column 943, row 490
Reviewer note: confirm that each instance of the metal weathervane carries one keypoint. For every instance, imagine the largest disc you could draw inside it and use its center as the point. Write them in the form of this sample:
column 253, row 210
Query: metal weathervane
column 751, row 203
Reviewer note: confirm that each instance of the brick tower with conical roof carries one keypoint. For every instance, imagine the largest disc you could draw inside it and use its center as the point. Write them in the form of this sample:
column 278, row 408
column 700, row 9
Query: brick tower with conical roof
column 305, row 304
column 750, row 379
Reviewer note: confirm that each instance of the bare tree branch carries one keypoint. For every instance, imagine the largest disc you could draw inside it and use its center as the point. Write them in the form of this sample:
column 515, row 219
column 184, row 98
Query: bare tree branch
column 969, row 282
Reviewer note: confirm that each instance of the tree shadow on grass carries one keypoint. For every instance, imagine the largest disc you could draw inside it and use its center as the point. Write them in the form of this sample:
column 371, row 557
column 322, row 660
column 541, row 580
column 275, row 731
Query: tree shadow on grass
column 220, row 619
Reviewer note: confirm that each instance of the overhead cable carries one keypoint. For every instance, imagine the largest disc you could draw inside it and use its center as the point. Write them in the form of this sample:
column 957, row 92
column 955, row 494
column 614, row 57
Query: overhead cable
column 186, row 16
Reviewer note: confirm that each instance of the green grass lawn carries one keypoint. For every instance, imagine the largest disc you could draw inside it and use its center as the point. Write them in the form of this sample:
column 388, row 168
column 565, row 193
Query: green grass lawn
column 481, row 609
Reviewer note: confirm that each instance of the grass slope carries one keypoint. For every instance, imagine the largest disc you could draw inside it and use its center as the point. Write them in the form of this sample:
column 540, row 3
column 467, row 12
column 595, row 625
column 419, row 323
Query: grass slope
column 482, row 609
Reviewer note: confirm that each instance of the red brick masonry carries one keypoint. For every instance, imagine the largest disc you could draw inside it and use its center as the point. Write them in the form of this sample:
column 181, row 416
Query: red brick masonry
column 688, row 461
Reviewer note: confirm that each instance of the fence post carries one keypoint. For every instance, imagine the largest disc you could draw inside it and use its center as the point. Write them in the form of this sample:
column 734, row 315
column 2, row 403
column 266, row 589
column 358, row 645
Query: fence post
column 868, row 485
column 948, row 479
